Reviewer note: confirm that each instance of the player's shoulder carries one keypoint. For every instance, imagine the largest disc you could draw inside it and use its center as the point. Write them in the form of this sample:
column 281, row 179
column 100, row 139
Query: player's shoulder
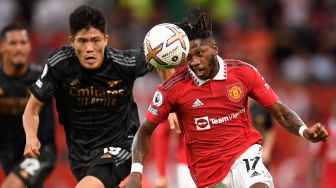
column 35, row 68
column 60, row 55
column 177, row 78
column 239, row 67
column 34, row 71
column 124, row 57
column 235, row 63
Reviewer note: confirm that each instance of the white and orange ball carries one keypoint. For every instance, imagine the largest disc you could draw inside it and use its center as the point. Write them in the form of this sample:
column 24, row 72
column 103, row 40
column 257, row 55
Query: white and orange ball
column 166, row 46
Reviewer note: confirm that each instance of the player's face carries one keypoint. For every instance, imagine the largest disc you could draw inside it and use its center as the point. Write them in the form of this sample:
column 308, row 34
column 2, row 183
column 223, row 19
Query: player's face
column 15, row 48
column 202, row 58
column 89, row 45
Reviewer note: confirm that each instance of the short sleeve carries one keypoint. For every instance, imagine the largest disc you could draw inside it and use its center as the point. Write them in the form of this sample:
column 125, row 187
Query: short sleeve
column 160, row 106
column 260, row 90
column 131, row 63
column 46, row 84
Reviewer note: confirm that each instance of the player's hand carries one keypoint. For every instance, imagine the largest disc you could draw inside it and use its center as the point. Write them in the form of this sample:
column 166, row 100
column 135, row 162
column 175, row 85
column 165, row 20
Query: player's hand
column 32, row 148
column 173, row 122
column 316, row 133
column 161, row 182
column 134, row 181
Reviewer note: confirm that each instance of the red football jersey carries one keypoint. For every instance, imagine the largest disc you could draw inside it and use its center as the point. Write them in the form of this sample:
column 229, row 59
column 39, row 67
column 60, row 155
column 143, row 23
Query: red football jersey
column 328, row 157
column 213, row 115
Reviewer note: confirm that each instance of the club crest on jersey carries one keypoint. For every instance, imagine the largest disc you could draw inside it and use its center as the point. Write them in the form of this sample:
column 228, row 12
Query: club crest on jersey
column 114, row 83
column 75, row 82
column 157, row 99
column 235, row 92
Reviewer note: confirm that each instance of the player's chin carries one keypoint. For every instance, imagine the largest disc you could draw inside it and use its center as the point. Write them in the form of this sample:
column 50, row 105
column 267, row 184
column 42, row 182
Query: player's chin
column 91, row 65
column 202, row 76
column 19, row 61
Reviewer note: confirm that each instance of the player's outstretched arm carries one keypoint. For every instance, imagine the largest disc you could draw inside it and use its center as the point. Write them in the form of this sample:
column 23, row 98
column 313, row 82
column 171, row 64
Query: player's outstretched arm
column 165, row 73
column 30, row 120
column 292, row 122
column 174, row 123
column 140, row 149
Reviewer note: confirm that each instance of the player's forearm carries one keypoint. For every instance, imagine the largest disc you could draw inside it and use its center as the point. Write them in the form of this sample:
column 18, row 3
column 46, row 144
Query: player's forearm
column 30, row 117
column 140, row 146
column 165, row 73
column 287, row 118
column 291, row 121
column 30, row 123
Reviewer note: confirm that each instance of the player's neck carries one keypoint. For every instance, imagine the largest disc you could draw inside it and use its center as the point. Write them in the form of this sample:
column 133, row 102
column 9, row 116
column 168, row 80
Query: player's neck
column 11, row 70
column 215, row 69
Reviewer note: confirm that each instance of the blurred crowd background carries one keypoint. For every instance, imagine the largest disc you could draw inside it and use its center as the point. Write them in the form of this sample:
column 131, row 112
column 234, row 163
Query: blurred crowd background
column 291, row 42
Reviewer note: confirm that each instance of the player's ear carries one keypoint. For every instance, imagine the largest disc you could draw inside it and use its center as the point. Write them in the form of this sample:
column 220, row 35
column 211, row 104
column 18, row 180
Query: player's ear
column 106, row 39
column 214, row 48
column 29, row 46
column 2, row 42
column 71, row 39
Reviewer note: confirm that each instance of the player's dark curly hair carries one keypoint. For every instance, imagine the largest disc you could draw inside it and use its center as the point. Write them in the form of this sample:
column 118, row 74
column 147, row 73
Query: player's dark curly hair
column 85, row 17
column 198, row 26
column 11, row 27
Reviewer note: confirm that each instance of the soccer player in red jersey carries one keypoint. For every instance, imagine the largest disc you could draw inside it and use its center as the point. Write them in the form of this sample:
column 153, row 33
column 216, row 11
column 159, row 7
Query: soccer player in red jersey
column 326, row 158
column 210, row 98
column 163, row 138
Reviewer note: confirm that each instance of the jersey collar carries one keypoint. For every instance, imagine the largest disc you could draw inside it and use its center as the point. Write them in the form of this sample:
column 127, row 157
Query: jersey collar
column 221, row 75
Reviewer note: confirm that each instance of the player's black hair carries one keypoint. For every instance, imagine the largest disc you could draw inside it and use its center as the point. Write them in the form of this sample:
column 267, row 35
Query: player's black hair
column 198, row 25
column 85, row 17
column 9, row 28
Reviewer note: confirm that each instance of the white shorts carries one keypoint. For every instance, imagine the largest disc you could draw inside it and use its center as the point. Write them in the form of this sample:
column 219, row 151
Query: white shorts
column 184, row 179
column 247, row 170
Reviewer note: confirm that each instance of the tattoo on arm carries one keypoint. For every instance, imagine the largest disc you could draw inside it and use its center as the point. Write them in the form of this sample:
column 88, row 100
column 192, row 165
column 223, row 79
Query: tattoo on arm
column 140, row 147
column 287, row 118
column 141, row 143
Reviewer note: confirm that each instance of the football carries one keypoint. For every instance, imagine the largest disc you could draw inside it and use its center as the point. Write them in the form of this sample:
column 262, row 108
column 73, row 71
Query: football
column 166, row 45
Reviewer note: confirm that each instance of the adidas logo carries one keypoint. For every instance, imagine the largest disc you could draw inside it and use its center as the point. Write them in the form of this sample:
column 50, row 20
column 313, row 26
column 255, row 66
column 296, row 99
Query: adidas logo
column 255, row 173
column 197, row 103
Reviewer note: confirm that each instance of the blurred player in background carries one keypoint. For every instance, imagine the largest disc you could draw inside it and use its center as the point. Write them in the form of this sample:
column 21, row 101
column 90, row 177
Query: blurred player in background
column 210, row 99
column 263, row 122
column 16, row 76
column 325, row 161
column 165, row 139
column 92, row 85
